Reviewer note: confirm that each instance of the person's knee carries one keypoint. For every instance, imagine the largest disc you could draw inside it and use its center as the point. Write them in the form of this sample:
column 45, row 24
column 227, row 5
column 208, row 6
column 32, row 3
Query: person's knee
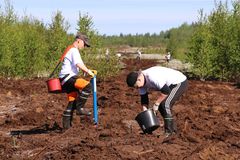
column 85, row 92
column 87, row 88
column 164, row 109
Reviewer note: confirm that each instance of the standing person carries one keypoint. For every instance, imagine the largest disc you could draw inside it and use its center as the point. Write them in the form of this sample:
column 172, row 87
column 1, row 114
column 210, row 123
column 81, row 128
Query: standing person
column 107, row 54
column 119, row 56
column 168, row 57
column 77, row 89
column 169, row 82
column 139, row 55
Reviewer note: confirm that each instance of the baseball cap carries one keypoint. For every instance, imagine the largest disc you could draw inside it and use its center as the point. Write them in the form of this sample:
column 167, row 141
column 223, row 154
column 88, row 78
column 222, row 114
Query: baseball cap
column 84, row 38
column 132, row 78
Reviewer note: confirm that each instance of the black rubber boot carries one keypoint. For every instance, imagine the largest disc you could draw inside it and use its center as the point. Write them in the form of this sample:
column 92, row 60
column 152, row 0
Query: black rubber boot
column 170, row 130
column 67, row 116
column 82, row 99
column 169, row 124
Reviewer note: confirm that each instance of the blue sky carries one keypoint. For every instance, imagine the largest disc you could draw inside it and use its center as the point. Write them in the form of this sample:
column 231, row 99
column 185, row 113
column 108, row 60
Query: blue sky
column 112, row 17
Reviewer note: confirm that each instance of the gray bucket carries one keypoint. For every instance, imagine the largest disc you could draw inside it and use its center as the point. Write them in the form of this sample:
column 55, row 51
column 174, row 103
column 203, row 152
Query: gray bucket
column 148, row 121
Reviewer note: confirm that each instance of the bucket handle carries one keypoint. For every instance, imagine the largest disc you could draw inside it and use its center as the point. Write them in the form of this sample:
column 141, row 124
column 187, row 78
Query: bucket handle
column 54, row 69
column 61, row 59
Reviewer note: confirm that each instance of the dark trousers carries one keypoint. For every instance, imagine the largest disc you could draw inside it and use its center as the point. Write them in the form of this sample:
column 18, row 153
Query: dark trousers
column 176, row 92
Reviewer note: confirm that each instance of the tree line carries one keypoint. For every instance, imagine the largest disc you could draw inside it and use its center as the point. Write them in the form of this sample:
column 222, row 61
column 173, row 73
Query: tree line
column 211, row 45
column 214, row 49
column 174, row 40
column 28, row 47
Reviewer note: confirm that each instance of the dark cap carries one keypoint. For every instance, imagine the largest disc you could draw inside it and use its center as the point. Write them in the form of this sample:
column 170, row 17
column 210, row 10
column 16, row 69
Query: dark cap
column 84, row 38
column 132, row 78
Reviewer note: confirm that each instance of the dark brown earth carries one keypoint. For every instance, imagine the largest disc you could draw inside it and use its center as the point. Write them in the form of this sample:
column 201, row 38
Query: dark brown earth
column 207, row 119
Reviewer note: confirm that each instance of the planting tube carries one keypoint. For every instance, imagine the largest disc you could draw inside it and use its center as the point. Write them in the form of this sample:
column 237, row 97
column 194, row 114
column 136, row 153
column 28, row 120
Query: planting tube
column 95, row 107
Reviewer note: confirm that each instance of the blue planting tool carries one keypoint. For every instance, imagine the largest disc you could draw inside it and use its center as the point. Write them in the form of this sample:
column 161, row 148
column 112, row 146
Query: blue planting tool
column 95, row 107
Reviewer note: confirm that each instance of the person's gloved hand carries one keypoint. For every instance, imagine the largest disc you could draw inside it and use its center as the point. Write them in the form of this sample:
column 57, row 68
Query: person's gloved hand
column 94, row 71
column 155, row 107
column 90, row 73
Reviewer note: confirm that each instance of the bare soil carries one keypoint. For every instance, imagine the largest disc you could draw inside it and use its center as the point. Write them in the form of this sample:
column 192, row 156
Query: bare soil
column 207, row 118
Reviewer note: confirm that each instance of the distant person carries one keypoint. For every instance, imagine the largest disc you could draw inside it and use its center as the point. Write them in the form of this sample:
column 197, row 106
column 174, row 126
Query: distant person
column 139, row 55
column 119, row 56
column 170, row 84
column 107, row 55
column 168, row 57
column 77, row 88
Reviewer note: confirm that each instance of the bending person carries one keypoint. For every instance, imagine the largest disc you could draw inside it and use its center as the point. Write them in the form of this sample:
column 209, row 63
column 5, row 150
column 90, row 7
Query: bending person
column 170, row 83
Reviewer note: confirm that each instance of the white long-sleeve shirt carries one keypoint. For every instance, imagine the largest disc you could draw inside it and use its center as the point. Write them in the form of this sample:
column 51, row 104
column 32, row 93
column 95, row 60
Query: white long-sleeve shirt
column 156, row 77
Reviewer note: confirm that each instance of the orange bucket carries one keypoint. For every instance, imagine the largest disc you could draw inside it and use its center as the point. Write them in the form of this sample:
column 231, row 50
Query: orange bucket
column 54, row 85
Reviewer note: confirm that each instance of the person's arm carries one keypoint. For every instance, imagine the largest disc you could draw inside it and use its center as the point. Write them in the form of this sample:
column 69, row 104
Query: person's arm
column 165, row 91
column 161, row 98
column 84, row 68
column 77, row 60
column 144, row 101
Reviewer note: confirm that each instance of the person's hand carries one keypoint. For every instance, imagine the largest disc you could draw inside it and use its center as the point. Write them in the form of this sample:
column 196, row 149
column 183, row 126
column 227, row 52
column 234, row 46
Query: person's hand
column 155, row 107
column 94, row 71
column 90, row 73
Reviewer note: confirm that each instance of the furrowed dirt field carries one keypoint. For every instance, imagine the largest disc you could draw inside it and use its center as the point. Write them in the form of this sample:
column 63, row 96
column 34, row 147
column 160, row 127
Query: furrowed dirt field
column 208, row 121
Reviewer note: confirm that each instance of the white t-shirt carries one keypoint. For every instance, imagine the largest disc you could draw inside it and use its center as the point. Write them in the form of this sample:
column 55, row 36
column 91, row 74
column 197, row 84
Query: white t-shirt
column 107, row 52
column 156, row 77
column 139, row 53
column 168, row 56
column 69, row 63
